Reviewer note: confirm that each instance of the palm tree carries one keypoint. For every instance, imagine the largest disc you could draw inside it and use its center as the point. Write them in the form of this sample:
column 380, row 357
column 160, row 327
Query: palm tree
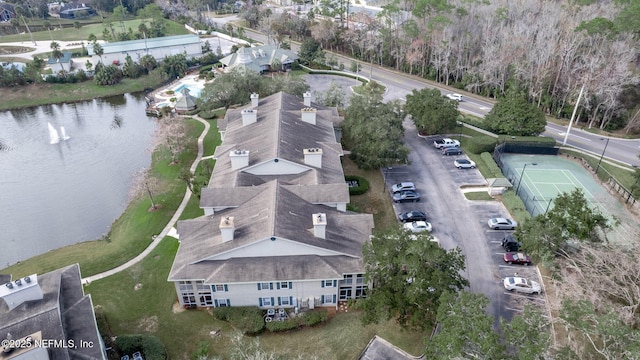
column 98, row 50
column 56, row 54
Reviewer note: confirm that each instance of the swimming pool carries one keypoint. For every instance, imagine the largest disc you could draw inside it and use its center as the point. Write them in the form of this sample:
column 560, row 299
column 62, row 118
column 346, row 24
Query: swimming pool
column 194, row 90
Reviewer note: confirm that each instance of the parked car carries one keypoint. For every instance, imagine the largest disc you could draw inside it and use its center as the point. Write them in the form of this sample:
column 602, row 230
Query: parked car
column 412, row 216
column 454, row 96
column 464, row 164
column 406, row 196
column 522, row 285
column 451, row 151
column 516, row 258
column 402, row 187
column 502, row 224
column 510, row 244
column 440, row 143
column 418, row 226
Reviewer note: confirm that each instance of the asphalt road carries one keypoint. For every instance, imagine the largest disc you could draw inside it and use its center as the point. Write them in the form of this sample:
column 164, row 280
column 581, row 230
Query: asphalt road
column 400, row 84
column 458, row 222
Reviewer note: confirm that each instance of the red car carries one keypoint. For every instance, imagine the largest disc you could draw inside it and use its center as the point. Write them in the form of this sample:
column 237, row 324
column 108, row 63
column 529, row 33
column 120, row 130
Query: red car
column 517, row 258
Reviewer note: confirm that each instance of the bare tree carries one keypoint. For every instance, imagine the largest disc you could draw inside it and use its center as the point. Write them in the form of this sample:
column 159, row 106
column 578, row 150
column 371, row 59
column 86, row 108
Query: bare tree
column 170, row 133
column 144, row 182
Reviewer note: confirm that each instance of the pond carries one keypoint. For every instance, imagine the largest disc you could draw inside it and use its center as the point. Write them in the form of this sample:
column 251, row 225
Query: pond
column 58, row 194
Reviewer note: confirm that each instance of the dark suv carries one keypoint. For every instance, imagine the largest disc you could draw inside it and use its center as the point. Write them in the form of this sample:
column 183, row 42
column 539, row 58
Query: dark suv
column 451, row 151
column 510, row 244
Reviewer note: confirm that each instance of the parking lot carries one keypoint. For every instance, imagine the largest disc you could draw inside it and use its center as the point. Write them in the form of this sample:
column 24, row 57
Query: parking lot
column 458, row 222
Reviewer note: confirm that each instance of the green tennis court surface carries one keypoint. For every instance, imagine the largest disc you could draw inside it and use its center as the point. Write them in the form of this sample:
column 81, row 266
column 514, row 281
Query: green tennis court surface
column 553, row 175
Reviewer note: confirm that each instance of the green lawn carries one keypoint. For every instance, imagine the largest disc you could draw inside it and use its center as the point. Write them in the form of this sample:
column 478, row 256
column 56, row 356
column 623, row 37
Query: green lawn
column 82, row 34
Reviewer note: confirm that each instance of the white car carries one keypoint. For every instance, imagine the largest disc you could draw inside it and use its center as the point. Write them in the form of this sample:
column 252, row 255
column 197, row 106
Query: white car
column 522, row 285
column 454, row 96
column 464, row 164
column 402, row 187
column 502, row 224
column 418, row 226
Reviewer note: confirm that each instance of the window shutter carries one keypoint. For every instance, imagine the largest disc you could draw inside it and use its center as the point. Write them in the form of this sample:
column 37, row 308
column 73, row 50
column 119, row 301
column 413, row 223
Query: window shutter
column 226, row 288
column 334, row 298
column 260, row 301
column 322, row 299
column 278, row 285
column 290, row 285
column 290, row 300
column 335, row 283
column 322, row 283
column 259, row 287
column 213, row 288
column 279, row 301
column 272, row 302
column 228, row 302
column 270, row 286
column 215, row 302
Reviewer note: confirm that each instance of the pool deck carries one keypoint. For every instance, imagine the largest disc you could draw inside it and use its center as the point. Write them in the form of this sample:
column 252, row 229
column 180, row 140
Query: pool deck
column 160, row 95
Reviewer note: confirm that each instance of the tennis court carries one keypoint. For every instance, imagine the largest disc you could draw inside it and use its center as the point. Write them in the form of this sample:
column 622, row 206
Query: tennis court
column 545, row 177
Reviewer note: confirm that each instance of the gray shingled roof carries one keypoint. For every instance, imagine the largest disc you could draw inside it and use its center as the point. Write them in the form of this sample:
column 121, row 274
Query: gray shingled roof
column 63, row 313
column 274, row 212
column 186, row 102
column 254, row 58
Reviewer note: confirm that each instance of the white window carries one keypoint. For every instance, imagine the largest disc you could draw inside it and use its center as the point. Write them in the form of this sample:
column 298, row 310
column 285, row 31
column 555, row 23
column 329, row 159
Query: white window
column 328, row 283
column 189, row 298
column 284, row 285
column 284, row 300
column 348, row 279
column 220, row 288
column 264, row 286
column 206, row 299
column 222, row 302
column 328, row 299
column 361, row 292
column 360, row 279
column 266, row 301
column 200, row 286
column 185, row 285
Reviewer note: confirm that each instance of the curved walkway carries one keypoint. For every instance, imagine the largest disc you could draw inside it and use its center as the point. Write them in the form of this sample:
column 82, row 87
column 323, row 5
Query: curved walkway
column 185, row 200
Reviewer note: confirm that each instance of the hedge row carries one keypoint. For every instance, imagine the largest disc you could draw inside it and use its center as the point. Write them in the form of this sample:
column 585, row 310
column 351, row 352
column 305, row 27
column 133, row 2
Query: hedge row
column 249, row 320
column 480, row 144
column 515, row 205
column 491, row 164
column 309, row 318
column 149, row 345
column 363, row 185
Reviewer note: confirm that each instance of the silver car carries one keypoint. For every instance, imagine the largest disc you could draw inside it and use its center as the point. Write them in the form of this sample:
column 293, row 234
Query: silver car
column 522, row 285
column 502, row 224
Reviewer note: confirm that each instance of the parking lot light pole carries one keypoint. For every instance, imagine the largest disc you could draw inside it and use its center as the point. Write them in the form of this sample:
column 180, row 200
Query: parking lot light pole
column 601, row 156
column 522, row 175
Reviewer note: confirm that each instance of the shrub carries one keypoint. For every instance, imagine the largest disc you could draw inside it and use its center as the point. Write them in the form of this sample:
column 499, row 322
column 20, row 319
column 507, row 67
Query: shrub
column 480, row 144
column 491, row 164
column 363, row 185
column 149, row 345
column 314, row 317
column 249, row 320
column 515, row 205
column 288, row 324
column 170, row 92
column 205, row 69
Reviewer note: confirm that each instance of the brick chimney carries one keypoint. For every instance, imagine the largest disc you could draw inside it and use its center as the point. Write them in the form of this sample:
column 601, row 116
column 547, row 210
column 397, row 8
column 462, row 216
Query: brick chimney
column 307, row 98
column 309, row 115
column 254, row 100
column 227, row 228
column 320, row 225
column 313, row 157
column 239, row 159
column 249, row 116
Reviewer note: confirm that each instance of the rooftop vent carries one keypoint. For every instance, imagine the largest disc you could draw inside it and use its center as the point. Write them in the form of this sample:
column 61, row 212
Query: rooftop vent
column 227, row 228
column 313, row 157
column 307, row 99
column 309, row 115
column 254, row 100
column 319, row 225
column 249, row 116
column 239, row 159
column 19, row 291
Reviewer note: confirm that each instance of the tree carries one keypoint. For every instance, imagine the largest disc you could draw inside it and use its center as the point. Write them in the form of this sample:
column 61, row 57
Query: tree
column 130, row 69
column 98, row 50
column 464, row 330
column 144, row 182
column 409, row 273
column 170, row 133
column 148, row 62
column 107, row 75
column 431, row 112
column 174, row 66
column 311, row 52
column 373, row 131
column 334, row 96
column 572, row 218
column 514, row 115
column 527, row 334
column 56, row 53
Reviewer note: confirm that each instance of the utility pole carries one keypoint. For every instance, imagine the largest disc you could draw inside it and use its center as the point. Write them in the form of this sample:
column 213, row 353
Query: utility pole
column 575, row 109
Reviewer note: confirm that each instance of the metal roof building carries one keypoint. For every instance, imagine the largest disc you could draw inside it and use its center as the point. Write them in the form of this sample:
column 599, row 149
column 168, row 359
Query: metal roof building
column 159, row 48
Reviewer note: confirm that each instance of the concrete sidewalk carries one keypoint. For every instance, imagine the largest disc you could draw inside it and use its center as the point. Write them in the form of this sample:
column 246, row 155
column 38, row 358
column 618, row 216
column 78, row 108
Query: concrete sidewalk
column 168, row 228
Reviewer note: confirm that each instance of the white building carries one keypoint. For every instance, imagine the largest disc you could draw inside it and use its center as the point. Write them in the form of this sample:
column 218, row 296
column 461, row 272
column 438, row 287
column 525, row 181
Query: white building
column 276, row 233
column 159, row 48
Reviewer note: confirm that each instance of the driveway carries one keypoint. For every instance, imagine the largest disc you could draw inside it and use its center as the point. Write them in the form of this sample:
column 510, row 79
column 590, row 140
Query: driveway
column 458, row 222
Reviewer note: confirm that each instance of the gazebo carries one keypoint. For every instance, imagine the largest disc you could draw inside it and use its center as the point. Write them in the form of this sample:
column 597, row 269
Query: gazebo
column 186, row 102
